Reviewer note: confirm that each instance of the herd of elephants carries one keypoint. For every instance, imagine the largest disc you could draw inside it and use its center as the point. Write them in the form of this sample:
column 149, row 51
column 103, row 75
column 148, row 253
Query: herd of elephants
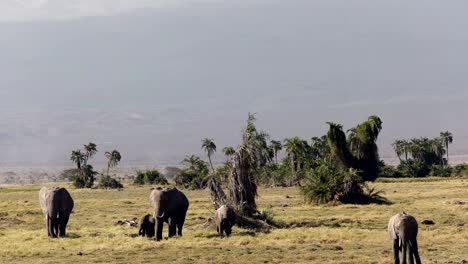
column 170, row 206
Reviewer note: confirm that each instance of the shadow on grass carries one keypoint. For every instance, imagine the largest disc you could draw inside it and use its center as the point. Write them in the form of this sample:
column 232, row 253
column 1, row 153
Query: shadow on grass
column 72, row 235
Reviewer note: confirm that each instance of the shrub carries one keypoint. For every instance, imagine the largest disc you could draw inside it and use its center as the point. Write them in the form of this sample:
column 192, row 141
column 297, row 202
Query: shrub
column 460, row 170
column 69, row 174
column 388, row 171
column 189, row 179
column 413, row 169
column 171, row 172
column 274, row 175
column 441, row 171
column 86, row 178
column 326, row 184
column 107, row 182
column 150, row 177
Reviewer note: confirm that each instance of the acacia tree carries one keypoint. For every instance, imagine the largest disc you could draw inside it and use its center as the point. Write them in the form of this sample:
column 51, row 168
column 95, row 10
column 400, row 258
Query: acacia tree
column 113, row 158
column 210, row 148
column 447, row 138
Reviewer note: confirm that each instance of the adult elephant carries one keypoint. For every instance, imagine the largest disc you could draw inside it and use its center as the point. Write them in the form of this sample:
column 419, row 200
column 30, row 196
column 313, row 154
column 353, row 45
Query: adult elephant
column 57, row 205
column 170, row 205
column 403, row 230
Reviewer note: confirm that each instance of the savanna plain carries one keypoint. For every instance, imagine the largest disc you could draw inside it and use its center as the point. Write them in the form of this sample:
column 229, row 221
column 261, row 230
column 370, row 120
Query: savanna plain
column 311, row 233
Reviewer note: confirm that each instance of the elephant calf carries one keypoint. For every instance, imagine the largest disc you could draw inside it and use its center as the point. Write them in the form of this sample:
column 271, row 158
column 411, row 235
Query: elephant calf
column 403, row 230
column 147, row 223
column 57, row 205
column 225, row 218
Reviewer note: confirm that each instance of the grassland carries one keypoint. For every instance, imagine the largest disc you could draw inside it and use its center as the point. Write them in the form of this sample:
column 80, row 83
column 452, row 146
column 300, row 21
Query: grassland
column 317, row 234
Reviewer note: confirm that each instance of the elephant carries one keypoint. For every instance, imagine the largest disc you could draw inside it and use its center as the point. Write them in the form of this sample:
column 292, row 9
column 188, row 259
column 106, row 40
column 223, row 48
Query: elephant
column 403, row 230
column 57, row 205
column 170, row 205
column 147, row 223
column 225, row 218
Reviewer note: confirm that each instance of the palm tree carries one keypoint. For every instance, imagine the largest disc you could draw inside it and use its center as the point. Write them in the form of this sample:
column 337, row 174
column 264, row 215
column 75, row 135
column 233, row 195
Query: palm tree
column 276, row 146
column 437, row 147
column 78, row 158
column 194, row 163
column 113, row 158
column 90, row 151
column 447, row 138
column 406, row 148
column 210, row 148
column 229, row 151
column 294, row 149
column 398, row 146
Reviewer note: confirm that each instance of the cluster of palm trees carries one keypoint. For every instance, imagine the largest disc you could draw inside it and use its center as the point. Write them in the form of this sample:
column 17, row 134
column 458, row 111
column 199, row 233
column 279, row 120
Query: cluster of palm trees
column 424, row 150
column 86, row 171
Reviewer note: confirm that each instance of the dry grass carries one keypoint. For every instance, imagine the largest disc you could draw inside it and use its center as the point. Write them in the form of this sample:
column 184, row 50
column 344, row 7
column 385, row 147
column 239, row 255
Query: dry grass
column 319, row 234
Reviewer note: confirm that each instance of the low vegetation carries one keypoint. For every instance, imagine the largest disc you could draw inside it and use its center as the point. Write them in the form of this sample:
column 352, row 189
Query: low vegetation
column 152, row 177
column 308, row 233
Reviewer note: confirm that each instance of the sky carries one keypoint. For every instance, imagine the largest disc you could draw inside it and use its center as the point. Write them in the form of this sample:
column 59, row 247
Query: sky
column 152, row 78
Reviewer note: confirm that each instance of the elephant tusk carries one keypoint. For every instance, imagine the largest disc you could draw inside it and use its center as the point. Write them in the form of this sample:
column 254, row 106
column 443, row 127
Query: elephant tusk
column 161, row 216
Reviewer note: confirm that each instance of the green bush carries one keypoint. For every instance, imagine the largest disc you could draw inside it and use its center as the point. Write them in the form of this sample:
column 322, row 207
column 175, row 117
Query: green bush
column 460, row 170
column 413, row 169
column 441, row 171
column 274, row 175
column 150, row 177
column 189, row 179
column 86, row 178
column 388, row 171
column 326, row 183
column 107, row 182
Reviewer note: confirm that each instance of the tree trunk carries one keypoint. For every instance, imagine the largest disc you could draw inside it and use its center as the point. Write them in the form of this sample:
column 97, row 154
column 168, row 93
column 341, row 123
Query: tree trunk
column 108, row 167
column 447, row 155
column 211, row 164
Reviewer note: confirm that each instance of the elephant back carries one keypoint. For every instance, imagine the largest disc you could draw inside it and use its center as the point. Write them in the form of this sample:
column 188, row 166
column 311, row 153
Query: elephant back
column 55, row 200
column 403, row 226
column 63, row 199
column 178, row 199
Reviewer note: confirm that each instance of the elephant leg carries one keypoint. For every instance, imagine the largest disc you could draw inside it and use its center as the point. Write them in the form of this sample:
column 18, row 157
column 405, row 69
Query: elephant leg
column 414, row 244
column 49, row 226
column 63, row 224
column 410, row 253
column 403, row 251
column 172, row 227
column 228, row 229
column 396, row 251
column 159, row 228
column 56, row 227
column 180, row 224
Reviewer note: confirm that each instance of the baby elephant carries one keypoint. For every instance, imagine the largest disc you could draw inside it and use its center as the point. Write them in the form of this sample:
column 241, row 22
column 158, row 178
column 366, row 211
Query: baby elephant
column 225, row 218
column 147, row 223
column 403, row 230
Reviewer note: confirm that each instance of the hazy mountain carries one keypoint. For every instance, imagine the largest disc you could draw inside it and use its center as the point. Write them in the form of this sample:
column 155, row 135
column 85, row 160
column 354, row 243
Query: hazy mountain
column 152, row 78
